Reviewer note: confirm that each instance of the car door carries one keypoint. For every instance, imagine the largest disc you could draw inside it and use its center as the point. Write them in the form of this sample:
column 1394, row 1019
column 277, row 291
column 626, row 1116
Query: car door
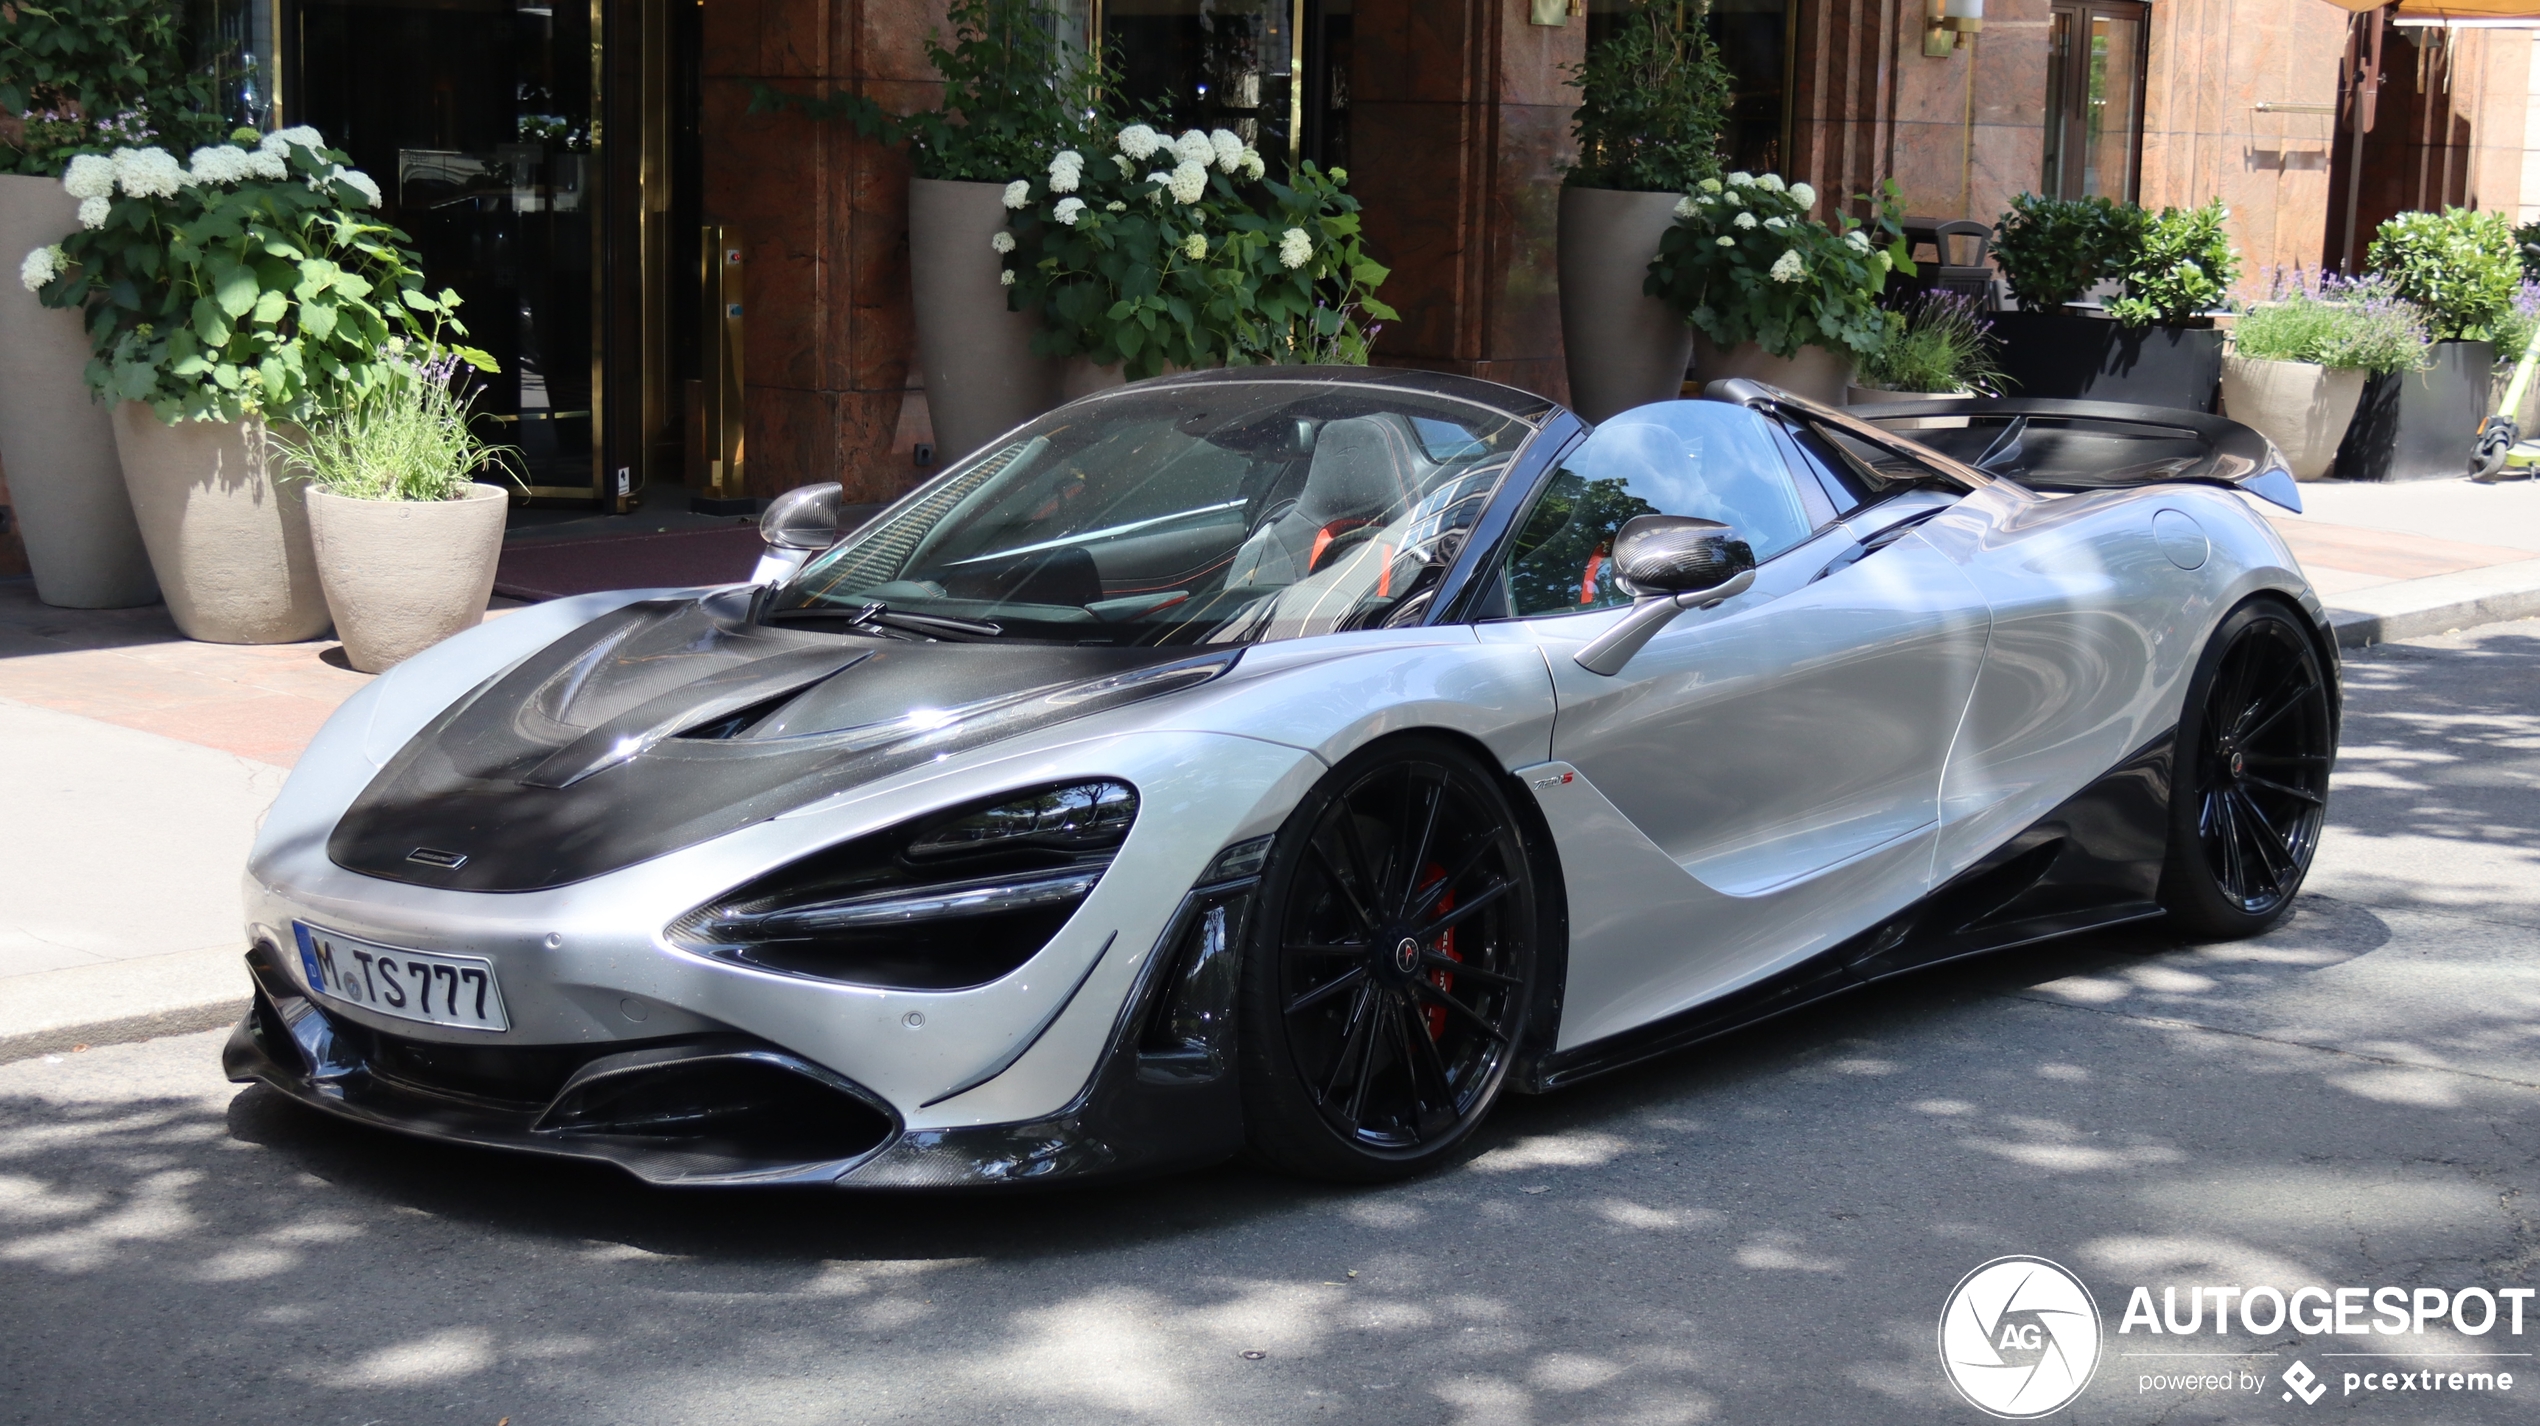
column 1763, row 778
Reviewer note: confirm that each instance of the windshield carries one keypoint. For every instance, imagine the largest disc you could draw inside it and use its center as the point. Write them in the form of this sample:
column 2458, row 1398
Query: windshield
column 1218, row 513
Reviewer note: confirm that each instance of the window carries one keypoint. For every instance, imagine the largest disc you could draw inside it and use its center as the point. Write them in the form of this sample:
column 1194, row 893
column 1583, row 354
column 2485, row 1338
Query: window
column 1207, row 64
column 1701, row 458
column 2094, row 100
column 1754, row 40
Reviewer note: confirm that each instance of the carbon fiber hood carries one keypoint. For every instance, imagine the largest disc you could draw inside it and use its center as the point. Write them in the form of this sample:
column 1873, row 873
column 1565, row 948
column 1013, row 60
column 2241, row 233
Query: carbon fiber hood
column 672, row 721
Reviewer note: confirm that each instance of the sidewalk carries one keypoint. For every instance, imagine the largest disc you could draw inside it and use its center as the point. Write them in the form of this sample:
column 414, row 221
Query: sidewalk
column 138, row 763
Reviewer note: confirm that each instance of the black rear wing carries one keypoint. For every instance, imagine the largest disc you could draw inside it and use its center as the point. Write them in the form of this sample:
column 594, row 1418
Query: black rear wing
column 2089, row 445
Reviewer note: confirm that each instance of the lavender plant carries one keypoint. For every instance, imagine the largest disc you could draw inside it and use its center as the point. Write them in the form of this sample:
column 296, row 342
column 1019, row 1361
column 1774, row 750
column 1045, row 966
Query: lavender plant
column 412, row 436
column 2327, row 320
column 2514, row 328
column 1940, row 344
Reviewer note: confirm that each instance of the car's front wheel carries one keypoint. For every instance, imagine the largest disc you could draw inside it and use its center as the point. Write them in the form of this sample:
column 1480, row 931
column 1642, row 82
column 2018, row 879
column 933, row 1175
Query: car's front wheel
column 1391, row 967
column 2249, row 776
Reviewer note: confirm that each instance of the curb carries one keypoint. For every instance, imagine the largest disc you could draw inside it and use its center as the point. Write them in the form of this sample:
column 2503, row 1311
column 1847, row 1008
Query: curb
column 129, row 1029
column 2413, row 608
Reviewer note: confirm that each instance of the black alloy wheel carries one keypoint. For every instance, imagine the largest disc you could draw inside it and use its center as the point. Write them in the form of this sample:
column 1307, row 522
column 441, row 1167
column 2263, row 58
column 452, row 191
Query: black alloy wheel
column 1391, row 969
column 2249, row 786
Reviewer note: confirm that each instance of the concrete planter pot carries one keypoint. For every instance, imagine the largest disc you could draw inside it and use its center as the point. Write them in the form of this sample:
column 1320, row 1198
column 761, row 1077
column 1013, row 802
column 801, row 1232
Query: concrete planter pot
column 402, row 575
column 57, row 442
column 229, row 543
column 975, row 356
column 1816, row 373
column 1624, row 347
column 2303, row 408
column 2421, row 425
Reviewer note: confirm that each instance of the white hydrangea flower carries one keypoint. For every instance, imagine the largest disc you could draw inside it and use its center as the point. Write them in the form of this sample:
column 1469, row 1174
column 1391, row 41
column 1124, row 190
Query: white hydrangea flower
column 268, row 165
column 1295, row 248
column 1188, row 181
column 1138, row 141
column 1194, row 147
column 1726, row 241
column 1883, row 261
column 359, row 181
column 1806, row 195
column 41, row 266
column 1253, row 165
column 1685, row 207
column 1859, row 240
column 1733, row 200
column 218, row 163
column 280, row 141
column 1018, row 194
column 1067, row 210
column 1003, row 242
column 1776, row 224
column 1195, row 246
column 1709, row 185
column 1771, row 181
column 1066, row 171
column 1745, row 220
column 1115, row 206
column 1741, row 179
column 1788, row 267
column 1229, row 148
column 90, row 176
column 1006, row 278
column 150, row 173
column 93, row 211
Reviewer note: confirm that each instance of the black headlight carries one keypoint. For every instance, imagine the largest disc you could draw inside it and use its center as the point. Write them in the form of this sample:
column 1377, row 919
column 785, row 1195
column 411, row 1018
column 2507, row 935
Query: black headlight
column 948, row 902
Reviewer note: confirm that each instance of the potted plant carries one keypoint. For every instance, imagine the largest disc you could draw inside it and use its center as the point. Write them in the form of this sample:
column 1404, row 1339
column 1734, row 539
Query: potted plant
column 1940, row 346
column 406, row 537
column 1652, row 99
column 1773, row 293
column 2052, row 252
column 242, row 289
column 2513, row 336
column 1148, row 257
column 2461, row 268
column 2168, row 351
column 1013, row 93
column 76, row 77
column 2299, row 360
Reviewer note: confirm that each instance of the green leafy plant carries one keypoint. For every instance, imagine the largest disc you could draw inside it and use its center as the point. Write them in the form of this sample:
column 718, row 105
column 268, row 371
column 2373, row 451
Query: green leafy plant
column 1745, row 263
column 1013, row 92
column 1941, row 344
column 2357, row 324
column 251, row 282
column 88, row 76
column 2527, row 249
column 2183, row 268
column 411, row 436
column 2054, row 250
column 2458, row 265
column 1149, row 254
column 1653, row 98
column 2514, row 327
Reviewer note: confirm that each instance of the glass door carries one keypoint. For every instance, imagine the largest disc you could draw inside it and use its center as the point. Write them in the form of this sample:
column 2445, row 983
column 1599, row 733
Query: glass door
column 477, row 118
column 2094, row 100
column 1211, row 64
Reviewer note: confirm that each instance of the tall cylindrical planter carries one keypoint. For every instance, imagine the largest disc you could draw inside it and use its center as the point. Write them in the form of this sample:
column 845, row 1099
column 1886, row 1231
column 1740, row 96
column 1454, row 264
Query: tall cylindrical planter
column 2421, row 425
column 2301, row 407
column 1816, row 373
column 1624, row 347
column 976, row 357
column 402, row 575
column 229, row 543
column 56, row 441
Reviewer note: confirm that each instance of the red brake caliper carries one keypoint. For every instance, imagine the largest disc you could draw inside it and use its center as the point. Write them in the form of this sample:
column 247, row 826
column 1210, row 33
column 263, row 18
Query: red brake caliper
column 1430, row 876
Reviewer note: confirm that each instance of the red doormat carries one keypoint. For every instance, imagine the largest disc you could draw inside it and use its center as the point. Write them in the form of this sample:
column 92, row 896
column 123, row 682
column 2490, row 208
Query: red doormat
column 551, row 569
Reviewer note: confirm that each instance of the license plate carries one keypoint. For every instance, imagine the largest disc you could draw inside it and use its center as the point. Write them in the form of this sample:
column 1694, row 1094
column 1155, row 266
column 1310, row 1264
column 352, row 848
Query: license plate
column 429, row 987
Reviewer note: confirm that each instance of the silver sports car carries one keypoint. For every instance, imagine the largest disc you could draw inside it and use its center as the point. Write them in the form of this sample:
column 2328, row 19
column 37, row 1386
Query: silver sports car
column 1290, row 761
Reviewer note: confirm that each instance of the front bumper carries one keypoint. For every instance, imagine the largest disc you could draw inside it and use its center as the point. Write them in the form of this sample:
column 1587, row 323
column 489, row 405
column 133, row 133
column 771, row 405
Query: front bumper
column 716, row 1107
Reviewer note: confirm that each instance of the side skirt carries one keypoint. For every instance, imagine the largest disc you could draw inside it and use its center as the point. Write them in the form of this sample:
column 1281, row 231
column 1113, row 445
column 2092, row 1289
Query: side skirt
column 2093, row 862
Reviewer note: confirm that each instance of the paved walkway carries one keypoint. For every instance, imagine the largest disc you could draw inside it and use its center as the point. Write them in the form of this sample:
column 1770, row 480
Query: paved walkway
column 139, row 762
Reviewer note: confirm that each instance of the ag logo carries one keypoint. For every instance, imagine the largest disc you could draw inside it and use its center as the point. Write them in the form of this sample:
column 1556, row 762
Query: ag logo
column 2019, row 1338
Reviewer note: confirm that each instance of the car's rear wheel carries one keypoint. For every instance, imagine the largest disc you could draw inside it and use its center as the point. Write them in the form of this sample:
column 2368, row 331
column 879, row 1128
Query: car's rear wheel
column 1391, row 968
column 2249, row 781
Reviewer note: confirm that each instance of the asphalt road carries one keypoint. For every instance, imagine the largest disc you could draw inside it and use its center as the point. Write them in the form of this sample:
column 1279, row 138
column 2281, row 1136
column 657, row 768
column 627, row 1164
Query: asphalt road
column 1761, row 1230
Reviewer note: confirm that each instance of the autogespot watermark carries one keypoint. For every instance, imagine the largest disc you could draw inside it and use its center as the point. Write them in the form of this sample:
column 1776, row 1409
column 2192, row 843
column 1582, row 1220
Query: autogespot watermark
column 2021, row 1338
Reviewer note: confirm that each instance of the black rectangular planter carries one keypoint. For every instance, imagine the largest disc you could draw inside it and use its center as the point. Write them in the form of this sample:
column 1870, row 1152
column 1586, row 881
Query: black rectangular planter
column 2420, row 425
column 2094, row 359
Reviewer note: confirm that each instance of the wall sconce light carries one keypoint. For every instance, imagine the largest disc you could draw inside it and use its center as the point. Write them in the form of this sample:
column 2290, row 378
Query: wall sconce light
column 1948, row 23
column 1554, row 12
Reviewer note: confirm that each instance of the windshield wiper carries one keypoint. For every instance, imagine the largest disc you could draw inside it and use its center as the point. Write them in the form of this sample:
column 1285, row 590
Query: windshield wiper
column 882, row 616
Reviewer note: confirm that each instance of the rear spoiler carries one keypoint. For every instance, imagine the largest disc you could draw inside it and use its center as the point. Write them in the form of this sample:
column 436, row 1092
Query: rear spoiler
column 2085, row 445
